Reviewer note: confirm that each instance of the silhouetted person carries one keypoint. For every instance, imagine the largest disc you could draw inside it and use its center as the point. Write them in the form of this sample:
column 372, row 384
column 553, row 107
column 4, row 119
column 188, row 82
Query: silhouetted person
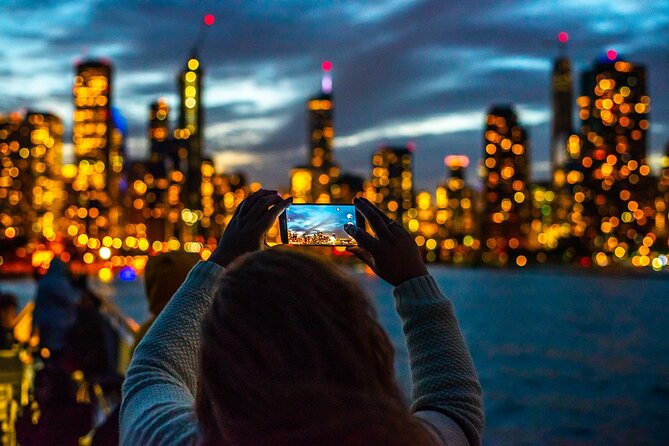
column 8, row 312
column 92, row 342
column 55, row 307
column 278, row 347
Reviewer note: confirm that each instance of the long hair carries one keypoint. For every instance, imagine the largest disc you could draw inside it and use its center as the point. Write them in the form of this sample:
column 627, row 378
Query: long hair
column 292, row 354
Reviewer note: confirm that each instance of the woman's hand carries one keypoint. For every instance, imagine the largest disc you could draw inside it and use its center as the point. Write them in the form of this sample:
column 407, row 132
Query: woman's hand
column 393, row 254
column 246, row 230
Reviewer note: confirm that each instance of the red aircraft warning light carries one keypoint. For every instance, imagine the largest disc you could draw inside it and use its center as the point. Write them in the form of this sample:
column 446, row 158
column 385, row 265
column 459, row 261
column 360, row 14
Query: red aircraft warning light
column 611, row 54
column 209, row 19
column 327, row 65
column 563, row 37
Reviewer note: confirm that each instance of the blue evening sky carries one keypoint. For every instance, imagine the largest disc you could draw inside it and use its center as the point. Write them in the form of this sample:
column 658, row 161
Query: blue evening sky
column 404, row 70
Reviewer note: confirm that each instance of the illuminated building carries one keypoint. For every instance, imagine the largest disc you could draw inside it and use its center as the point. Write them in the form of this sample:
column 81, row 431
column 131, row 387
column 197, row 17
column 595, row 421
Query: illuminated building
column 159, row 131
column 90, row 201
column 31, row 191
column 190, row 132
column 422, row 224
column 317, row 181
column 617, row 190
column 505, row 172
column 391, row 185
column 562, row 92
column 662, row 203
column 456, row 213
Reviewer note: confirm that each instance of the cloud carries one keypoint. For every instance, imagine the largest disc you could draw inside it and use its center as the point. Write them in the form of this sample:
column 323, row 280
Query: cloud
column 425, row 70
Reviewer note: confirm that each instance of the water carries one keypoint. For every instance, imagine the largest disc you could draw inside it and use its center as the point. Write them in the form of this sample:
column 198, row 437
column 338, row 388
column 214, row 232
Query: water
column 565, row 357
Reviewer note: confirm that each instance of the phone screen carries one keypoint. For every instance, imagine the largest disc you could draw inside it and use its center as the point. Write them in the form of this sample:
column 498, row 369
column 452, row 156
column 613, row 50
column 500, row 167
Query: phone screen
column 319, row 224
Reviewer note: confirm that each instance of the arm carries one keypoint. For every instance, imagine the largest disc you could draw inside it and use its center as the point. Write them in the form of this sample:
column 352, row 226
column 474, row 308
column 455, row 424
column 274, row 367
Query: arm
column 446, row 389
column 161, row 383
column 447, row 394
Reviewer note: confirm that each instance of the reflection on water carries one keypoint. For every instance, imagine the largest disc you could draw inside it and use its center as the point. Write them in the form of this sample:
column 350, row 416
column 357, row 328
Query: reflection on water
column 564, row 357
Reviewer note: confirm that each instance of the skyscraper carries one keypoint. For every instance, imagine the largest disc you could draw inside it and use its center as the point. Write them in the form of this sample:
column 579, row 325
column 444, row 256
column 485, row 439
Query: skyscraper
column 391, row 186
column 617, row 201
column 456, row 212
column 159, row 114
column 318, row 179
column 562, row 106
column 662, row 201
column 505, row 172
column 190, row 132
column 90, row 201
column 31, row 192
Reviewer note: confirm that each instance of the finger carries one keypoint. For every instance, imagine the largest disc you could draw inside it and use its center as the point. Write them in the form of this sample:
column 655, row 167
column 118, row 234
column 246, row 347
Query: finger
column 363, row 255
column 249, row 201
column 363, row 238
column 275, row 211
column 260, row 206
column 381, row 214
column 375, row 220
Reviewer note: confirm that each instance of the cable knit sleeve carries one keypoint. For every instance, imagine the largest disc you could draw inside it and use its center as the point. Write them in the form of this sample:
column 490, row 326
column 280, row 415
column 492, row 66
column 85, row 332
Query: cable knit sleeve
column 161, row 383
column 446, row 389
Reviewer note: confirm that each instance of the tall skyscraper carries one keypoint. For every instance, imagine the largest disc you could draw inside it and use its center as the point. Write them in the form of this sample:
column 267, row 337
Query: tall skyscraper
column 617, row 201
column 391, row 187
column 317, row 181
column 662, row 202
column 159, row 128
column 562, row 92
column 90, row 201
column 190, row 131
column 505, row 172
column 12, row 225
column 31, row 192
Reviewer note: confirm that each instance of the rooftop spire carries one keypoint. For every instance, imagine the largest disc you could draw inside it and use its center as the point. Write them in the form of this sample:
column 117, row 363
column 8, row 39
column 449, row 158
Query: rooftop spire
column 326, row 83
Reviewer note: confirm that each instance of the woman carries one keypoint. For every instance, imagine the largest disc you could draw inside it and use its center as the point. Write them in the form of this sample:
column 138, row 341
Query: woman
column 276, row 347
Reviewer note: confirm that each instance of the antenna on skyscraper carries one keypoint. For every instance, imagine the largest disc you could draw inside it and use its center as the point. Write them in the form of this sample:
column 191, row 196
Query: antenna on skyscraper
column 208, row 20
column 326, row 83
column 563, row 38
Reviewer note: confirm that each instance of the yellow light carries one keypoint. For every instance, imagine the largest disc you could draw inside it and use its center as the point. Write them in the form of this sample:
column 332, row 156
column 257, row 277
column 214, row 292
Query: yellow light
column 173, row 244
column 521, row 261
column 105, row 253
column 191, row 76
column 657, row 263
column 89, row 258
column 431, row 244
column 193, row 64
column 601, row 259
column 413, row 225
column 192, row 246
column 105, row 275
column 143, row 244
column 205, row 254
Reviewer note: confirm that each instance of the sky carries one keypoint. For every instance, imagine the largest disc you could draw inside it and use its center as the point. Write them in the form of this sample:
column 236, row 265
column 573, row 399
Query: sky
column 421, row 71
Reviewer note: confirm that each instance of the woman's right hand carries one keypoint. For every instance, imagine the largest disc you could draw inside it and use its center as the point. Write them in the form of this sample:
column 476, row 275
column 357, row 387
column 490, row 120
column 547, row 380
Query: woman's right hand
column 392, row 254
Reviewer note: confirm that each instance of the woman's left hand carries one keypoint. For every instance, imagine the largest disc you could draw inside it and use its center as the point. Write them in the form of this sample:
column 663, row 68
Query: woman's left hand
column 246, row 230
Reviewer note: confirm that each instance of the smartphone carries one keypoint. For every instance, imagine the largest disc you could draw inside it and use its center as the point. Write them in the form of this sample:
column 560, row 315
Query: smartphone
column 319, row 224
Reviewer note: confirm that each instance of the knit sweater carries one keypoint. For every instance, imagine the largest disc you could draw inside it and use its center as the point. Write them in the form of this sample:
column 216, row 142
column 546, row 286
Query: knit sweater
column 160, row 386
